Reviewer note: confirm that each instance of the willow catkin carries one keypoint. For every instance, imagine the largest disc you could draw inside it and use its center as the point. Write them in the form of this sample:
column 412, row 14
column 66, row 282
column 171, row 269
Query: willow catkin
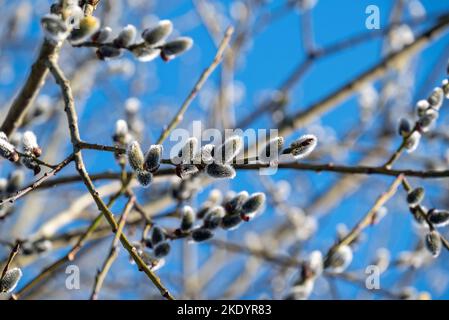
column 433, row 243
column 135, row 156
column 126, row 37
column 439, row 218
column 10, row 280
column 201, row 234
column 156, row 35
column 302, row 147
column 188, row 218
column 220, row 171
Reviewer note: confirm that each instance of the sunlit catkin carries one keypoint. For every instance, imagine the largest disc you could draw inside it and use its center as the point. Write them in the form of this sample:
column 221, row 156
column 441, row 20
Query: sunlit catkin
column 10, row 280
column 415, row 196
column 338, row 261
column 302, row 147
column 433, row 243
column 201, row 234
column 155, row 36
column 220, row 171
column 174, row 48
column 126, row 37
column 135, row 156
column 188, row 218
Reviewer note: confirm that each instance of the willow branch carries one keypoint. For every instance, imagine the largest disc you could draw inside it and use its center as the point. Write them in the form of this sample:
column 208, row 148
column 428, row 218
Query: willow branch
column 72, row 119
column 365, row 170
column 39, row 181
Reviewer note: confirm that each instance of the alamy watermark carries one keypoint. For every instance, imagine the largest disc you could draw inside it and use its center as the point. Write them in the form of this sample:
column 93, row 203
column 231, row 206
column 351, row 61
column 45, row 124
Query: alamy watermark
column 72, row 281
column 372, row 22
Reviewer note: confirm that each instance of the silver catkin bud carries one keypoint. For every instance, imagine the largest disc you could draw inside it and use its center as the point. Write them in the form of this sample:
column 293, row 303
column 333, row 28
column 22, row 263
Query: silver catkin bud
column 207, row 152
column 436, row 98
column 135, row 156
column 433, row 243
column 415, row 196
column 416, row 211
column 338, row 261
column 126, row 37
column 201, row 234
column 153, row 158
column 144, row 177
column 30, row 145
column 188, row 151
column 439, row 218
column 8, row 151
column 121, row 131
column 174, row 48
column 155, row 36
column 412, row 141
column 302, row 147
column 157, row 235
column 425, row 122
column 445, row 87
column 230, row 221
column 234, row 205
column 254, row 203
column 102, row 35
column 213, row 217
column 205, row 207
column 188, row 218
column 162, row 249
column 31, row 164
column 10, row 280
column 421, row 107
column 404, row 127
column 108, row 52
column 227, row 151
column 144, row 53
column 88, row 25
column 220, row 171
column 271, row 150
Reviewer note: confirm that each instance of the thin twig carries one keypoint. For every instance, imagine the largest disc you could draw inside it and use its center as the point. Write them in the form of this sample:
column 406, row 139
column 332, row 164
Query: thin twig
column 204, row 76
column 113, row 253
column 39, row 181
column 368, row 219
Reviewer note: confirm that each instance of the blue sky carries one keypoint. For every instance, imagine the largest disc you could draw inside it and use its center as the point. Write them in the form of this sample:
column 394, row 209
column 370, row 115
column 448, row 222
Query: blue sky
column 269, row 60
